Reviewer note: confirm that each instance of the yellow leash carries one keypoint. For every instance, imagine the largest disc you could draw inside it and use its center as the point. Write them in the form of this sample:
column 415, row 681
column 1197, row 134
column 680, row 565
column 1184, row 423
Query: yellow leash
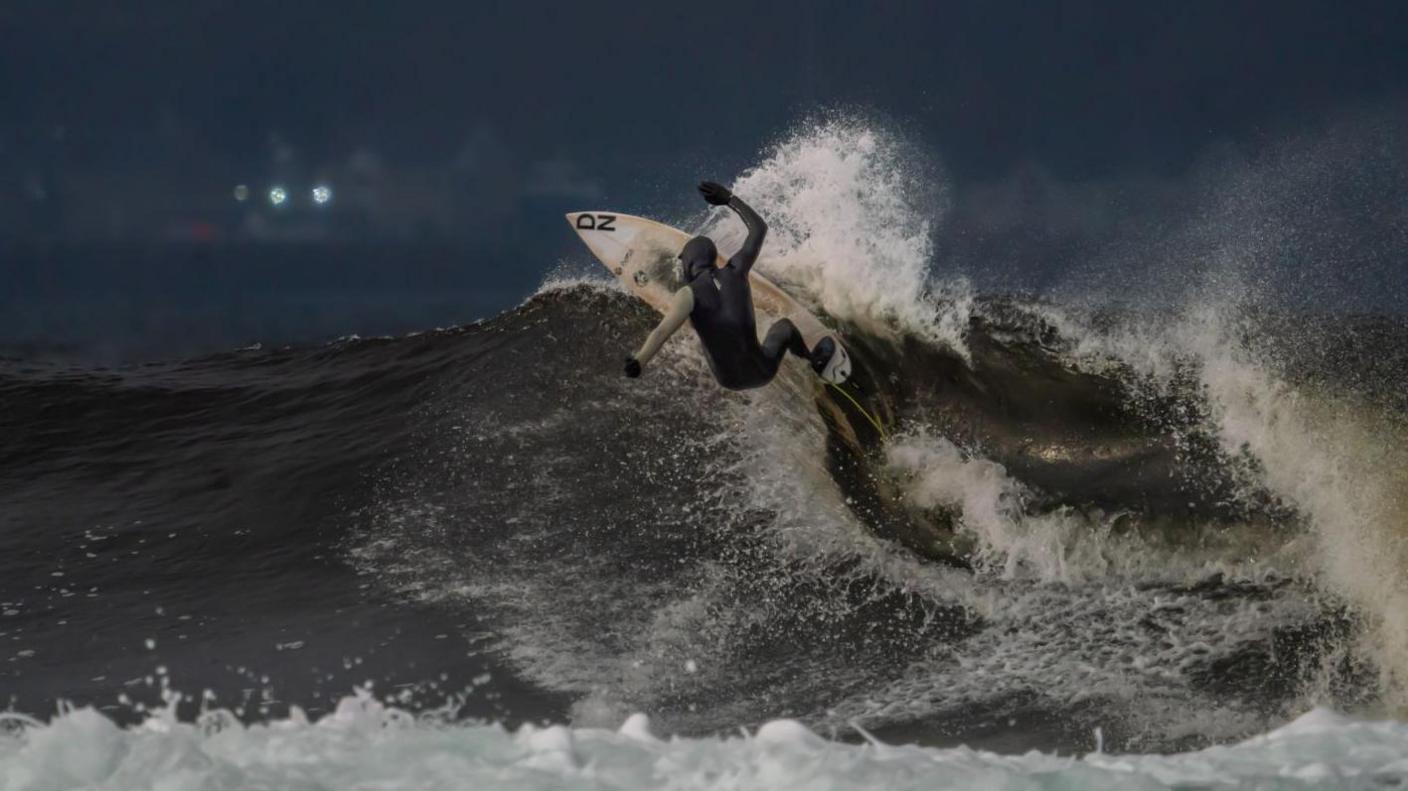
column 879, row 428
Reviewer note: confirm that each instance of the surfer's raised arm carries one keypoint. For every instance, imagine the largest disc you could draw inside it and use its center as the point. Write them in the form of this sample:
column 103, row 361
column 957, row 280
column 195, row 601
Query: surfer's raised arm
column 680, row 309
column 718, row 195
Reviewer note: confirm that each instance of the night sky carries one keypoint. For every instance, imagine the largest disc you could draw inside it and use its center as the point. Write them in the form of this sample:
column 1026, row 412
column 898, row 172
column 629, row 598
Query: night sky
column 1086, row 88
column 162, row 107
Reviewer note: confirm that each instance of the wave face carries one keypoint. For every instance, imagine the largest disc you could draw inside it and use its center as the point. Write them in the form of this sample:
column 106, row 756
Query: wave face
column 1181, row 528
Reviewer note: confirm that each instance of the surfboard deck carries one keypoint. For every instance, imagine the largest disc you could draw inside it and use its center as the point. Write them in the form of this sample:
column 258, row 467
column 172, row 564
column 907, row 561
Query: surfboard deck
column 643, row 254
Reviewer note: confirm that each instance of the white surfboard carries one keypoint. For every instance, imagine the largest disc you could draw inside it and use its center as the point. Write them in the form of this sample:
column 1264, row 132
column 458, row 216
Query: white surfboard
column 644, row 255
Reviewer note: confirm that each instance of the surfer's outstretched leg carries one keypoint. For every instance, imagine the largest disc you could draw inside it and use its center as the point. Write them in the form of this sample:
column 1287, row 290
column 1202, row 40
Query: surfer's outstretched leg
column 783, row 337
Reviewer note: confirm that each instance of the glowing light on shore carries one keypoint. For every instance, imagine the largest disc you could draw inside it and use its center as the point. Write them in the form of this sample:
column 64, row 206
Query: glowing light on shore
column 241, row 192
column 278, row 196
column 322, row 194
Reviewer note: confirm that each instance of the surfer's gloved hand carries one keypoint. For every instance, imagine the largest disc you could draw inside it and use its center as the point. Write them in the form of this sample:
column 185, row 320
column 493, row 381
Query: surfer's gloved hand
column 715, row 194
column 632, row 367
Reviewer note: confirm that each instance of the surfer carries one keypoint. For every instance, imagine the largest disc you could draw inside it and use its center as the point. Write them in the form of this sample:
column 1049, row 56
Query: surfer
column 719, row 304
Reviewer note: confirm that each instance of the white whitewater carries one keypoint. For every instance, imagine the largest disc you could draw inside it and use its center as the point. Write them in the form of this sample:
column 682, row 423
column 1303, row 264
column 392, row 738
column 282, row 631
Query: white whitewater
column 365, row 745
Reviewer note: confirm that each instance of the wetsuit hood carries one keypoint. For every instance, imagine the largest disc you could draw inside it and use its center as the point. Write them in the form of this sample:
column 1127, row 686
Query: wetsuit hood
column 697, row 257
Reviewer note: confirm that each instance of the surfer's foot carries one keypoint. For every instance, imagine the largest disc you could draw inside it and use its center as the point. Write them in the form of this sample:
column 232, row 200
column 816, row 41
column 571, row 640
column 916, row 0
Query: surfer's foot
column 821, row 354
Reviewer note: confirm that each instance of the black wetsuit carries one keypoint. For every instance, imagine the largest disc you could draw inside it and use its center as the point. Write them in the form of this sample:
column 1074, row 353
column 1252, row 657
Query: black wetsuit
column 723, row 311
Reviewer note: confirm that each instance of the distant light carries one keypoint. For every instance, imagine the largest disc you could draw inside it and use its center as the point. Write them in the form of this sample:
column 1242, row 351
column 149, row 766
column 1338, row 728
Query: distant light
column 322, row 194
column 278, row 195
column 241, row 193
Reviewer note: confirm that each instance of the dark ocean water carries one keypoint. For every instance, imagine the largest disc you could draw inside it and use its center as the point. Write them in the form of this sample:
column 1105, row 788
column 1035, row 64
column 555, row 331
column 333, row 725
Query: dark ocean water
column 131, row 303
column 491, row 519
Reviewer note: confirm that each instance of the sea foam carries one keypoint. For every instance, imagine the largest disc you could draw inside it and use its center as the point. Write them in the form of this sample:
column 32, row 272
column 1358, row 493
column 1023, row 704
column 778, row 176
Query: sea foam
column 366, row 745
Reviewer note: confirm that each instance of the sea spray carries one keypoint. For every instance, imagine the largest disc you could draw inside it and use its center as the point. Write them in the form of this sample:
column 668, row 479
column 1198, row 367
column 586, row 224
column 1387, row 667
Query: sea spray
column 852, row 210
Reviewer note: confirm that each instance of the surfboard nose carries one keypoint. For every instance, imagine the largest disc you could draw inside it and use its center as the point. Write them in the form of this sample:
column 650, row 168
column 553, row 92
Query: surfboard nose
column 582, row 220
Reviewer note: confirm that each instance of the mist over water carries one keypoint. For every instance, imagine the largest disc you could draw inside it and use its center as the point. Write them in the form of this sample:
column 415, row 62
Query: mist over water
column 1146, row 500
